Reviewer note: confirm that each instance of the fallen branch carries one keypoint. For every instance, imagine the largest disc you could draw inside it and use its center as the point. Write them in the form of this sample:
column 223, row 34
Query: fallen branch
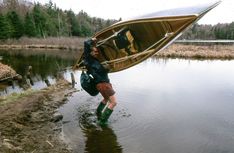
column 50, row 143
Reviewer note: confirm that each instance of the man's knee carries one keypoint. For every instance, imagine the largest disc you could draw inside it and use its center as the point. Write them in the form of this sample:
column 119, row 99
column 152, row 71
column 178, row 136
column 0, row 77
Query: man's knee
column 113, row 103
column 113, row 100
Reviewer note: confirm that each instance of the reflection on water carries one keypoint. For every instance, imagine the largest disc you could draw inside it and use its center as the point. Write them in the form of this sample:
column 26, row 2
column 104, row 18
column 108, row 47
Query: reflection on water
column 165, row 106
column 98, row 139
column 104, row 141
column 45, row 68
column 82, row 131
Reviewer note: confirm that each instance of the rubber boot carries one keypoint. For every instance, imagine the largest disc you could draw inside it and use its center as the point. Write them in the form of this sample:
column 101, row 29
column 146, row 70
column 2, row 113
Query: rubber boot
column 100, row 107
column 105, row 116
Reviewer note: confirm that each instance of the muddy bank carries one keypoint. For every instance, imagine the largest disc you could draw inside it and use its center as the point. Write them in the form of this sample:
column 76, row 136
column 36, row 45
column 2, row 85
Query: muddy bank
column 27, row 121
column 198, row 51
column 6, row 72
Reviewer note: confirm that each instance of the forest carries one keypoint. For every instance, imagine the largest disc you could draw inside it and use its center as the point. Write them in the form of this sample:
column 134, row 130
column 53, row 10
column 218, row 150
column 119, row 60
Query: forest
column 210, row 32
column 23, row 18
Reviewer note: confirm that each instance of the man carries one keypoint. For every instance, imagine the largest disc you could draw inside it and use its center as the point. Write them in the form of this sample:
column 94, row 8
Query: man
column 100, row 75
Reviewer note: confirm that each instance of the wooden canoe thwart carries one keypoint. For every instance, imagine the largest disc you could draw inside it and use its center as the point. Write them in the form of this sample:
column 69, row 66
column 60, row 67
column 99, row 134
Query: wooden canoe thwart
column 130, row 42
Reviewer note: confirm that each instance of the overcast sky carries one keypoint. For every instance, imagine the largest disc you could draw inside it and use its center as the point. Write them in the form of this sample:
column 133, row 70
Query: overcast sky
column 114, row 9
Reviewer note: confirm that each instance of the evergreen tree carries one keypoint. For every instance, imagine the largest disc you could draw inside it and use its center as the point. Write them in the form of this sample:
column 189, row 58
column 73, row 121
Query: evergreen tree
column 85, row 24
column 40, row 20
column 63, row 24
column 75, row 27
column 16, row 23
column 85, row 29
column 53, row 21
column 30, row 29
column 232, row 30
column 6, row 29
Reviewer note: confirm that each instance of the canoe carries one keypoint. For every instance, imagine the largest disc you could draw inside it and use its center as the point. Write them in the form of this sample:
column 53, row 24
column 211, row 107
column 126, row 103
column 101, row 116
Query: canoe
column 127, row 43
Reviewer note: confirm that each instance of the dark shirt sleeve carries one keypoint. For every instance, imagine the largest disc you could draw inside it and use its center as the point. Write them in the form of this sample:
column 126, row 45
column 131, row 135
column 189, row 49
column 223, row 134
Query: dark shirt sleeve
column 99, row 73
column 93, row 66
column 87, row 49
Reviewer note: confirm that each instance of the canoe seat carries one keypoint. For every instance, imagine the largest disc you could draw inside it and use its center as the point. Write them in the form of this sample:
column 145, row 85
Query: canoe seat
column 124, row 41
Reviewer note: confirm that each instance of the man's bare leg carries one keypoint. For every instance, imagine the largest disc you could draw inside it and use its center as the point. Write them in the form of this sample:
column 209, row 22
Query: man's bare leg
column 107, row 110
column 112, row 101
column 104, row 101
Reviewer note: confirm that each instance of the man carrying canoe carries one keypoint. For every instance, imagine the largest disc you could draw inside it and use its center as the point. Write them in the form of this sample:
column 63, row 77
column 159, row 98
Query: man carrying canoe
column 101, row 79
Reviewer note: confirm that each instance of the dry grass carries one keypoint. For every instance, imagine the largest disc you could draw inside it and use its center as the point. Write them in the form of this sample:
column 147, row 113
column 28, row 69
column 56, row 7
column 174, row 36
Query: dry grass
column 6, row 71
column 71, row 43
column 198, row 51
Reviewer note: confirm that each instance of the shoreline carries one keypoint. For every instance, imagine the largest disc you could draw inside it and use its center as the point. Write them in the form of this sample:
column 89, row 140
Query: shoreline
column 50, row 43
column 35, row 46
column 28, row 122
column 176, row 50
column 190, row 51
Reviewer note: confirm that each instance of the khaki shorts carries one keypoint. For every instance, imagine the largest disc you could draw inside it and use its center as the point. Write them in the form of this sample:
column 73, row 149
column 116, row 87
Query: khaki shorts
column 105, row 89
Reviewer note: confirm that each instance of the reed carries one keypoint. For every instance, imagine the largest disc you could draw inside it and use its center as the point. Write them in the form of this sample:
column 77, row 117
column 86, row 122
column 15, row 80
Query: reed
column 67, row 43
column 198, row 51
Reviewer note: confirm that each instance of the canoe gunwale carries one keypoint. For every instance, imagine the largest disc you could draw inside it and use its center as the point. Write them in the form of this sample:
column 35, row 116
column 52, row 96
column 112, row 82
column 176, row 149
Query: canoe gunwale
column 148, row 20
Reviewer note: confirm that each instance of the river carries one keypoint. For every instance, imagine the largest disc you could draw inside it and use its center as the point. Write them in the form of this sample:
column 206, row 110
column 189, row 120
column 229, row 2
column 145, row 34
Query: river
column 164, row 106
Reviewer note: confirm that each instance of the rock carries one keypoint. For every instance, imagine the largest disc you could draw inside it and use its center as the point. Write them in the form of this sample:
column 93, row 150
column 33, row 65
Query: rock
column 64, row 99
column 57, row 117
column 65, row 122
column 18, row 77
column 0, row 141
column 57, row 129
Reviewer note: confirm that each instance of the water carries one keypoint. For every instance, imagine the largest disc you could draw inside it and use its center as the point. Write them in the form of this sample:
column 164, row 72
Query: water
column 46, row 66
column 164, row 106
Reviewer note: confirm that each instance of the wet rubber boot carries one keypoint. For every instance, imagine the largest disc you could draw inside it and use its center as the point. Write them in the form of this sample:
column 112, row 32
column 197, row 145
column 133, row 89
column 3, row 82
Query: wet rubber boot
column 105, row 116
column 100, row 107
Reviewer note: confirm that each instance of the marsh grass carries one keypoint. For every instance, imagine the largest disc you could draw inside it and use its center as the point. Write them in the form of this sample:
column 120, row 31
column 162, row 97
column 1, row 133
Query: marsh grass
column 69, row 43
column 198, row 51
